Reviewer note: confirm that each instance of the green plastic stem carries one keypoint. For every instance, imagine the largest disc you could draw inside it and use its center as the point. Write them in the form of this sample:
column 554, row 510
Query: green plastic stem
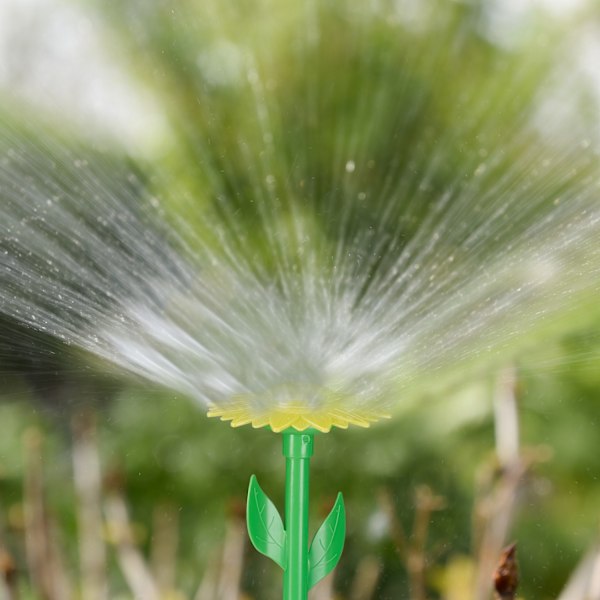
column 287, row 545
column 297, row 449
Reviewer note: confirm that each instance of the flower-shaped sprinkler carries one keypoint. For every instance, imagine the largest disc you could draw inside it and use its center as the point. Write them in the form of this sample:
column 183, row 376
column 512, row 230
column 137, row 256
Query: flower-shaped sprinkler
column 304, row 563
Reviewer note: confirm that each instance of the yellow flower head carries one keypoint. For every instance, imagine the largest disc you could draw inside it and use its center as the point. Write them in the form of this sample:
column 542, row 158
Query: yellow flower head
column 298, row 416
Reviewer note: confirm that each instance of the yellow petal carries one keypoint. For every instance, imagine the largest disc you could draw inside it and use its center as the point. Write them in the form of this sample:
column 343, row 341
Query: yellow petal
column 298, row 416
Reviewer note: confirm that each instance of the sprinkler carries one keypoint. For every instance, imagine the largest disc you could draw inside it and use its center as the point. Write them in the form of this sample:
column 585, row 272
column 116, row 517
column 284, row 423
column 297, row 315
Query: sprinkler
column 286, row 542
column 288, row 545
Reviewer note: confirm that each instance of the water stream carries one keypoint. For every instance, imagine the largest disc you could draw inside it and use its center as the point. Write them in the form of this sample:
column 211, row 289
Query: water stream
column 356, row 204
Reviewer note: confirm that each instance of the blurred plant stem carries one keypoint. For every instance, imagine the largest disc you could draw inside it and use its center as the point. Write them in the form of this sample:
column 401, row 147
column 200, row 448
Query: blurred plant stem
column 131, row 561
column 88, row 489
column 584, row 583
column 232, row 560
column 412, row 550
column 365, row 580
column 165, row 541
column 495, row 510
column 9, row 589
column 500, row 484
column 8, row 576
column 44, row 561
column 223, row 578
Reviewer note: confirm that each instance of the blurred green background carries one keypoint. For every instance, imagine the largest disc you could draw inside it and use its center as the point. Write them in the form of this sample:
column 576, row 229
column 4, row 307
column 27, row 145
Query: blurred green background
column 111, row 488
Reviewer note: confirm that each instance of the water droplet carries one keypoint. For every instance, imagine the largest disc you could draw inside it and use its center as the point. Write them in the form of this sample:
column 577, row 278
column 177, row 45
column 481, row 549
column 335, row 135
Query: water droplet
column 350, row 166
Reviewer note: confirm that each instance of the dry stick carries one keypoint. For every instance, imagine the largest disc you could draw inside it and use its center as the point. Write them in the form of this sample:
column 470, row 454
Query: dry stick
column 413, row 551
column 43, row 558
column 88, row 490
column 497, row 509
column 132, row 563
column 165, row 540
column 365, row 581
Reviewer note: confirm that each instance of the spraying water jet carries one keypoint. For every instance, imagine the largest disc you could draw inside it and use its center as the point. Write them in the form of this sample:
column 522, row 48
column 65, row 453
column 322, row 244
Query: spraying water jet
column 354, row 241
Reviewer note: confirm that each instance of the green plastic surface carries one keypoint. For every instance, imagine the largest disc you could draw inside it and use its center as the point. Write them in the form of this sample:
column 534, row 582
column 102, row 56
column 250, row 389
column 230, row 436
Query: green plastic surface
column 265, row 526
column 328, row 543
column 289, row 547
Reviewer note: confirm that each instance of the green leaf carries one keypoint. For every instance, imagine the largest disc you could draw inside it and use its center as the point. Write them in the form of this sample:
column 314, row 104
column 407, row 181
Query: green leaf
column 265, row 526
column 328, row 543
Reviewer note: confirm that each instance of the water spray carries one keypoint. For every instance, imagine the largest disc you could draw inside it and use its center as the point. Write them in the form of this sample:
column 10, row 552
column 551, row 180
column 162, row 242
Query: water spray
column 286, row 541
column 363, row 213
